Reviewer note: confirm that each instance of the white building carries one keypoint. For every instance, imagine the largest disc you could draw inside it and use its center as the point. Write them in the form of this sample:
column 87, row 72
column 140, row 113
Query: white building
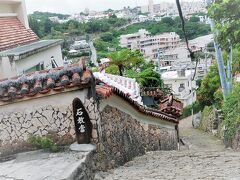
column 21, row 51
column 170, row 9
column 150, row 7
column 149, row 45
column 181, row 85
column 179, row 57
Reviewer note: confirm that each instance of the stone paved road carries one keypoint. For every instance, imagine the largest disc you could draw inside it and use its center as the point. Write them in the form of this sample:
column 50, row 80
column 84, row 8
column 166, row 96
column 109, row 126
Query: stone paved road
column 206, row 159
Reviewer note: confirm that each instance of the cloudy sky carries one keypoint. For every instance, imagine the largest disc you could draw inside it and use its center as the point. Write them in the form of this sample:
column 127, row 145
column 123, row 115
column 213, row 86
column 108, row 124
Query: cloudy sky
column 72, row 6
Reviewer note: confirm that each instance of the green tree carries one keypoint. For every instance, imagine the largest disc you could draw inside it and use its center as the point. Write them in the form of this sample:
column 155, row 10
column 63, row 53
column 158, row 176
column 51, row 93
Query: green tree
column 210, row 84
column 194, row 19
column 107, row 36
column 126, row 59
column 47, row 26
column 226, row 16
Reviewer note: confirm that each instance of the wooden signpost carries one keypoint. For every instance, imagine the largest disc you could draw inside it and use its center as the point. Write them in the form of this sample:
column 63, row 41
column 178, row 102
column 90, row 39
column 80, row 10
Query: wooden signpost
column 83, row 125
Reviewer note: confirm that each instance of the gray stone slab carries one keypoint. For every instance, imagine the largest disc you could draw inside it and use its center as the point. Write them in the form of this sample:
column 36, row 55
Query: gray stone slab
column 50, row 166
column 82, row 147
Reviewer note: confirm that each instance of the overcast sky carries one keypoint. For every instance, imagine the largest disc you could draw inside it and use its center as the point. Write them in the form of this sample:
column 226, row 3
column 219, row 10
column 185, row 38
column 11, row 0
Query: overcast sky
column 73, row 6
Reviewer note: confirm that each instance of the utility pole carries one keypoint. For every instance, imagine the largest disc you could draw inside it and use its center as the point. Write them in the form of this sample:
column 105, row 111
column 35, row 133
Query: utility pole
column 206, row 60
column 222, row 73
column 229, row 68
column 159, row 60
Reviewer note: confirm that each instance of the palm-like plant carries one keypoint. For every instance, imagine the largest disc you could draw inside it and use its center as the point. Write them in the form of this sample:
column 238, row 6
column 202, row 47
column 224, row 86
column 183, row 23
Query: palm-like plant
column 125, row 59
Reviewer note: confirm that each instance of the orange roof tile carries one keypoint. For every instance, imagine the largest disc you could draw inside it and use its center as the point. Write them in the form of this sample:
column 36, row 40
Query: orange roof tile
column 13, row 33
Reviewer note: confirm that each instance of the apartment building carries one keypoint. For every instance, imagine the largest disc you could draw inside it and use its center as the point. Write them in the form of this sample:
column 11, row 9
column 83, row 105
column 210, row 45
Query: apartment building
column 181, row 85
column 179, row 57
column 148, row 44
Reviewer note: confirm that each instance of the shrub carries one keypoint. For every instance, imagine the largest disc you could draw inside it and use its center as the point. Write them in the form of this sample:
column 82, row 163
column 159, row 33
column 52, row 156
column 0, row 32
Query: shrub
column 187, row 111
column 43, row 142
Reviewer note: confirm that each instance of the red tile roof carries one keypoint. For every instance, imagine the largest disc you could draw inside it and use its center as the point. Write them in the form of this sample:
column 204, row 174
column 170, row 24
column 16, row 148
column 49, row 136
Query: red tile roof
column 13, row 33
column 44, row 83
column 172, row 106
column 105, row 91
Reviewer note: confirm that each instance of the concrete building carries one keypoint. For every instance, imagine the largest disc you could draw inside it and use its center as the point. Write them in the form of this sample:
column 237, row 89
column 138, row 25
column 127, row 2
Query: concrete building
column 21, row 51
column 150, row 7
column 179, row 57
column 149, row 45
column 181, row 85
column 170, row 9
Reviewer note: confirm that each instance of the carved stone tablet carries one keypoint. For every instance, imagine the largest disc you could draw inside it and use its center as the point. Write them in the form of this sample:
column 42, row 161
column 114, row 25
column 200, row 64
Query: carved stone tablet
column 83, row 125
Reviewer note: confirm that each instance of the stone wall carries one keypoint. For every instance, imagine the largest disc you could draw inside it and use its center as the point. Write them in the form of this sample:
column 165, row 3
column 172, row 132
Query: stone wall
column 119, row 132
column 48, row 115
column 236, row 140
column 210, row 122
column 123, row 138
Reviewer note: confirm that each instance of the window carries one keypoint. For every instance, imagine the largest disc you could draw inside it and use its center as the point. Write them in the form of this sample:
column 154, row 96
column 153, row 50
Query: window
column 35, row 68
column 181, row 87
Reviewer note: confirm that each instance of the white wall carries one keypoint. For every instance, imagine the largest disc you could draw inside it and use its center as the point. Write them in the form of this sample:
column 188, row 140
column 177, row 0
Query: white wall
column 15, row 6
column 7, row 70
column 122, row 105
column 21, row 10
column 6, row 8
column 185, row 96
column 44, row 56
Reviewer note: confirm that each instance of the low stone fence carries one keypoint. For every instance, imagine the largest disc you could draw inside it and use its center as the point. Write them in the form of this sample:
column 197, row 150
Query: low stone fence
column 120, row 136
column 119, row 131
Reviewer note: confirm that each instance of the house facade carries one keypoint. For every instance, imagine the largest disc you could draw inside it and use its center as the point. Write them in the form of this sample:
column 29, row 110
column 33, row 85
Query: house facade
column 181, row 85
column 21, row 51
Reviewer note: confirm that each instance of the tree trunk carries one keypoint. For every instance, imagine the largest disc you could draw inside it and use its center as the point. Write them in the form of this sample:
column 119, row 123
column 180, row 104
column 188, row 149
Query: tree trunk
column 120, row 68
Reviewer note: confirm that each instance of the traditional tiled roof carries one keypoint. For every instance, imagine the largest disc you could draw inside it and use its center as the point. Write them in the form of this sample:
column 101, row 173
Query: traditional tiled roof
column 152, row 92
column 107, row 87
column 43, row 83
column 171, row 105
column 13, row 33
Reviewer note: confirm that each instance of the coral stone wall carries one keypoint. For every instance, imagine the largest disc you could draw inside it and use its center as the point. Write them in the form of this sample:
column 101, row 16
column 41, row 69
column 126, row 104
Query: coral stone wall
column 123, row 138
column 42, row 116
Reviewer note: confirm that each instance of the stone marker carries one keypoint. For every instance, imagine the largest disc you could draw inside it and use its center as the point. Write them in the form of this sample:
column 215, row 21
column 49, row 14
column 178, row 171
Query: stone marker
column 83, row 125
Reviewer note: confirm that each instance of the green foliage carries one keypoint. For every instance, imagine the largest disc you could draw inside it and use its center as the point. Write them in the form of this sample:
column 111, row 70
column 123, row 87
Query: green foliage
column 147, row 77
column 209, row 85
column 126, row 59
column 194, row 19
column 44, row 142
column 226, row 16
column 113, row 69
column 167, row 24
column 231, row 111
column 235, row 59
column 187, row 111
column 206, row 114
column 41, row 25
column 108, row 36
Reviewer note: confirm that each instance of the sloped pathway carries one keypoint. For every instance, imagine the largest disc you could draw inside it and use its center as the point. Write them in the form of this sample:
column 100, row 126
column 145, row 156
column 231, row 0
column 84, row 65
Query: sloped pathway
column 205, row 159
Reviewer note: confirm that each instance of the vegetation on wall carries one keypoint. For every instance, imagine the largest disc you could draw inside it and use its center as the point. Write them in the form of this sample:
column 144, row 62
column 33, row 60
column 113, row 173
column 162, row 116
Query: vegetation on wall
column 231, row 111
column 187, row 111
column 43, row 142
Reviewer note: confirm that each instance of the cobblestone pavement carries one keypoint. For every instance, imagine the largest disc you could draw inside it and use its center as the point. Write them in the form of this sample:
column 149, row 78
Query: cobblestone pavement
column 205, row 159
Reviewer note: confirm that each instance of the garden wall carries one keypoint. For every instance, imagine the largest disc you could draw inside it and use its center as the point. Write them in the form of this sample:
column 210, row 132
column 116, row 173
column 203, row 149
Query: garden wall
column 41, row 116
column 127, row 134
